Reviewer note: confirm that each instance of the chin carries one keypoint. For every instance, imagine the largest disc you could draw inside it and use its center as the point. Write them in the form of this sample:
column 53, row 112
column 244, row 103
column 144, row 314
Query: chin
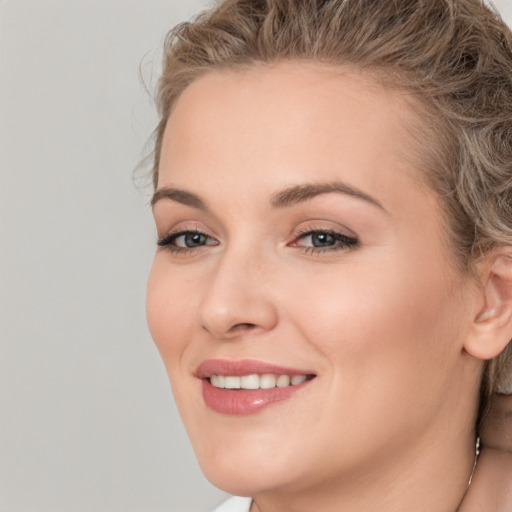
column 242, row 480
column 234, row 483
column 245, row 472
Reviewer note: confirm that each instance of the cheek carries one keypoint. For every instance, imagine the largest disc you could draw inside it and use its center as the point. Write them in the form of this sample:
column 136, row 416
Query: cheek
column 169, row 310
column 381, row 324
column 383, row 335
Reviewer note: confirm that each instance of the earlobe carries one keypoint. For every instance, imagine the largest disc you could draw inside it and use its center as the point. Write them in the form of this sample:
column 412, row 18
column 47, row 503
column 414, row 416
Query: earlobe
column 492, row 326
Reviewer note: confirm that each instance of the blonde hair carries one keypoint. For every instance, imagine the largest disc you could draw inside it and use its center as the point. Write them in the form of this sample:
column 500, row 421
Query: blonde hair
column 453, row 56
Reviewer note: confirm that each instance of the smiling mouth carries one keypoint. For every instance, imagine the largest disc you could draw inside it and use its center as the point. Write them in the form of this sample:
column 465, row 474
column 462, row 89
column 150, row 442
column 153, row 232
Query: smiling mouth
column 242, row 387
column 255, row 381
column 251, row 393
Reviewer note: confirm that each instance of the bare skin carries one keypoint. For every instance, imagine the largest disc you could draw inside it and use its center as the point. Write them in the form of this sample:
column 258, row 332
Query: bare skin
column 239, row 275
column 491, row 489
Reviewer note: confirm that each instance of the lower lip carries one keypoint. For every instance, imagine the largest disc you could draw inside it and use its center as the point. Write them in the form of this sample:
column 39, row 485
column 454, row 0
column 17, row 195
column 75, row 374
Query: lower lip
column 241, row 402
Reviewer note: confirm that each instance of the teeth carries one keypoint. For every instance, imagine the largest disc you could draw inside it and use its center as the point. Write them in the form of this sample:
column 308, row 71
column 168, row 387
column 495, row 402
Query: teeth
column 283, row 381
column 266, row 381
column 232, row 382
column 217, row 381
column 298, row 379
column 250, row 382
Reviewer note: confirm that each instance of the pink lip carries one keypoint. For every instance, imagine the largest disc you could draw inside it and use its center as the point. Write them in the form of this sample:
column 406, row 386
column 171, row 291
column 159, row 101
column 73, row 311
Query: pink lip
column 242, row 402
column 244, row 367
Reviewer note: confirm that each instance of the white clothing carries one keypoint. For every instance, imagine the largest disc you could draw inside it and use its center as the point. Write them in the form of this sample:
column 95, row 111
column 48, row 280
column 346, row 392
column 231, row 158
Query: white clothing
column 235, row 504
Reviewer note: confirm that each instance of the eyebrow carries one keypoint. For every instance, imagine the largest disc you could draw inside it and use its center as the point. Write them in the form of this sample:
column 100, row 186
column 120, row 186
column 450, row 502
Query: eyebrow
column 300, row 193
column 180, row 196
column 282, row 199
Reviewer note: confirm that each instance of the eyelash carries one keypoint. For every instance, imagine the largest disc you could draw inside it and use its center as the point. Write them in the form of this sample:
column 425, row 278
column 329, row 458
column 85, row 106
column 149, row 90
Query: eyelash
column 343, row 242
column 168, row 241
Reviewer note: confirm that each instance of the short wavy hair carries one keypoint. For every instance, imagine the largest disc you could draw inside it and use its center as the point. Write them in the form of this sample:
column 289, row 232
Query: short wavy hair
column 454, row 57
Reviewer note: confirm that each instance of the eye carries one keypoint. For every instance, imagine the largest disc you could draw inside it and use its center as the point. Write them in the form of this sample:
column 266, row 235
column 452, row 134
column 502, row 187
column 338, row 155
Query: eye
column 323, row 240
column 185, row 241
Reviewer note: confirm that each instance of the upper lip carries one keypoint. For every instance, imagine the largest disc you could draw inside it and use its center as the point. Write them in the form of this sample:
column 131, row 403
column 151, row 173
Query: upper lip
column 244, row 367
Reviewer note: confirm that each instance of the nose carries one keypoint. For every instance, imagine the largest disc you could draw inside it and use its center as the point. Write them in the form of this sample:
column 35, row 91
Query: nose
column 235, row 301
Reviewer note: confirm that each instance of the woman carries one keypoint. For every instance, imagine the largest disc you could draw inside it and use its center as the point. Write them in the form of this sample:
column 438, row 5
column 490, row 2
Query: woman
column 332, row 289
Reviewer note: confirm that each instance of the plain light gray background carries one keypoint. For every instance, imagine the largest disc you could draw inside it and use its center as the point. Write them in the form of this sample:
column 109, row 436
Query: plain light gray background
column 87, row 421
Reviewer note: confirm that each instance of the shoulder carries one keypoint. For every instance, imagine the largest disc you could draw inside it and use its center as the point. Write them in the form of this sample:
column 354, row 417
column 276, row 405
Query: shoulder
column 235, row 504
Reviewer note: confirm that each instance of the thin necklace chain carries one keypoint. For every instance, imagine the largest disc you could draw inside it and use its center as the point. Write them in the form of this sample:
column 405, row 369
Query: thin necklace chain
column 477, row 453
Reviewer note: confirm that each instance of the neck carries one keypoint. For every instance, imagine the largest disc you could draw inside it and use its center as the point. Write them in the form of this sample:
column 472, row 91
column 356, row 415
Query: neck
column 432, row 477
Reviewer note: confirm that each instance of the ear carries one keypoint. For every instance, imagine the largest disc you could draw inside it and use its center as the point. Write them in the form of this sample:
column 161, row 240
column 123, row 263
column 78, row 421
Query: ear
column 492, row 326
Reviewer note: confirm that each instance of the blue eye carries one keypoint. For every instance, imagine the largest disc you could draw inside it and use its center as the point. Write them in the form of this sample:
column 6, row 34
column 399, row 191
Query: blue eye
column 324, row 240
column 190, row 240
column 186, row 241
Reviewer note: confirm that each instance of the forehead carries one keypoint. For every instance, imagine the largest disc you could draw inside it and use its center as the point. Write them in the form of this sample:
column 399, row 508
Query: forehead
column 286, row 121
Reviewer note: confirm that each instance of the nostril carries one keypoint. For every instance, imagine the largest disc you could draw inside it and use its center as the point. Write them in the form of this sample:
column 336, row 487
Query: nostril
column 236, row 330
column 242, row 327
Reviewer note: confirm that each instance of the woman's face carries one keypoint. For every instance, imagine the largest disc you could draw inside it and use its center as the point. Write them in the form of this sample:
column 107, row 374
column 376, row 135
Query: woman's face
column 297, row 241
